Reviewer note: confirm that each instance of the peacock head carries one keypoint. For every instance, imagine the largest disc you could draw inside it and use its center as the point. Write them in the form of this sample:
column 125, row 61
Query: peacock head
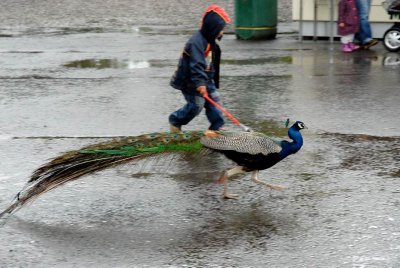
column 298, row 125
column 295, row 135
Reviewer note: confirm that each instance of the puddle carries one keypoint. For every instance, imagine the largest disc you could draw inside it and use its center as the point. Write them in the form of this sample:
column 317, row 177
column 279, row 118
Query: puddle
column 164, row 30
column 107, row 64
column 68, row 30
column 273, row 128
column 368, row 153
column 22, row 52
column 258, row 61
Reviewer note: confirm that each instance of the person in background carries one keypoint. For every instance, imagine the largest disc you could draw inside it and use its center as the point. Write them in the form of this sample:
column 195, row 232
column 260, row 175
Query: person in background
column 348, row 24
column 198, row 71
column 364, row 35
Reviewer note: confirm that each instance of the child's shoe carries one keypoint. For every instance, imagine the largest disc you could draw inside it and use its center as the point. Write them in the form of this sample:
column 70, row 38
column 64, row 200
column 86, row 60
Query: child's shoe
column 353, row 46
column 346, row 48
column 174, row 129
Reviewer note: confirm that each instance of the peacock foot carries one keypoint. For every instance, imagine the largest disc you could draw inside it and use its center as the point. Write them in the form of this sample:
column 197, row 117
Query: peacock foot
column 230, row 196
column 275, row 187
column 222, row 179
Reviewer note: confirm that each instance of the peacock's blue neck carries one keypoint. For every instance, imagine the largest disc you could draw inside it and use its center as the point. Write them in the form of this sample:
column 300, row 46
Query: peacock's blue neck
column 289, row 148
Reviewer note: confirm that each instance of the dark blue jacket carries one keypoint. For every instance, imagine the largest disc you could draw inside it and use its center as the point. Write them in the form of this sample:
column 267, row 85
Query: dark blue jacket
column 193, row 68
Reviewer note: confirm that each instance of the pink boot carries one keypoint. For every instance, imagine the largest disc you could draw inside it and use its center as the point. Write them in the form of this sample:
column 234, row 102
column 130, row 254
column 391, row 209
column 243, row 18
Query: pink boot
column 353, row 46
column 346, row 48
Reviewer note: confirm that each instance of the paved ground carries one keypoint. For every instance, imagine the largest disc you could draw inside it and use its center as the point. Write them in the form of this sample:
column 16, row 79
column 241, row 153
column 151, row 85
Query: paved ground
column 76, row 73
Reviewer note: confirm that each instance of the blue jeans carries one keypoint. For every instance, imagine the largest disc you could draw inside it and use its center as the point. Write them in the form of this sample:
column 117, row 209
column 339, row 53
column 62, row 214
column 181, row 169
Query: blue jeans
column 194, row 106
column 364, row 35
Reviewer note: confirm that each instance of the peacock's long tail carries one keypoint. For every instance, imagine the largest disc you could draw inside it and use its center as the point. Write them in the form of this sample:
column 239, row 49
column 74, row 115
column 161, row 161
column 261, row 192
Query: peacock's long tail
column 73, row 165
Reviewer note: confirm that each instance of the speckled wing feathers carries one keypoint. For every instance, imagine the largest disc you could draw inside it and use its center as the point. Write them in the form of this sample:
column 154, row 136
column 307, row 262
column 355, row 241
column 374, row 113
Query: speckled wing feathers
column 244, row 142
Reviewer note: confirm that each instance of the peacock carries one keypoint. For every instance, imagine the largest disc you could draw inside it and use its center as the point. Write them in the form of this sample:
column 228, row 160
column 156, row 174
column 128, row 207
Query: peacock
column 251, row 151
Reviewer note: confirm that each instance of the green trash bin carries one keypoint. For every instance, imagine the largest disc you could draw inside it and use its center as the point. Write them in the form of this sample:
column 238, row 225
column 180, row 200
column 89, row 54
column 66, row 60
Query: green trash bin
column 256, row 19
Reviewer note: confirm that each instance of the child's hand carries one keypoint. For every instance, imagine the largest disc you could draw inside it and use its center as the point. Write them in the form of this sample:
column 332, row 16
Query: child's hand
column 341, row 24
column 202, row 90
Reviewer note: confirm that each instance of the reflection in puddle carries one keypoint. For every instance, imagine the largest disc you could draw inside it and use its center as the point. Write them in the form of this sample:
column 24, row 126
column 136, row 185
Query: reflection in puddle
column 258, row 61
column 138, row 64
column 392, row 59
column 107, row 64
column 363, row 58
column 70, row 30
column 130, row 64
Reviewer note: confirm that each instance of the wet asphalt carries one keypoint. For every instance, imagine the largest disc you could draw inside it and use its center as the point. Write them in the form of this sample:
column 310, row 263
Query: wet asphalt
column 69, row 81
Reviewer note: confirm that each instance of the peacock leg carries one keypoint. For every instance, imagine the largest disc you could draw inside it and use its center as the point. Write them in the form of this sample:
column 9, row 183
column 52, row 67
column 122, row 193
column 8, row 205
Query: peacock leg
column 254, row 177
column 224, row 179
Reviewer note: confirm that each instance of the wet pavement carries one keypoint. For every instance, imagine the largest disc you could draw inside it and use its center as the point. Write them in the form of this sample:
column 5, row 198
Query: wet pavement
column 70, row 81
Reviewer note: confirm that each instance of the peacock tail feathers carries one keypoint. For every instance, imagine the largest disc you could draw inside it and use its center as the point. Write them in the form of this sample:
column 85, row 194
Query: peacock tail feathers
column 150, row 143
column 74, row 164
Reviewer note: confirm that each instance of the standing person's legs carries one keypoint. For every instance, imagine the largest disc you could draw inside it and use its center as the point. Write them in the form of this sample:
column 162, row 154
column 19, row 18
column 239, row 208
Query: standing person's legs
column 186, row 114
column 345, row 39
column 213, row 114
column 347, row 43
column 365, row 33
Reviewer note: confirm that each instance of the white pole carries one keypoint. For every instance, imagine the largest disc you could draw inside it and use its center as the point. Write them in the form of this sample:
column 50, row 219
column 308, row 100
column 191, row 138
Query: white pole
column 301, row 21
column 331, row 22
column 315, row 19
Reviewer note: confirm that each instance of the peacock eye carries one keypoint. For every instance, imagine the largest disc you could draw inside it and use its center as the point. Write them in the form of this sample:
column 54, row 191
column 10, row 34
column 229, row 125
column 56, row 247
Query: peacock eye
column 300, row 125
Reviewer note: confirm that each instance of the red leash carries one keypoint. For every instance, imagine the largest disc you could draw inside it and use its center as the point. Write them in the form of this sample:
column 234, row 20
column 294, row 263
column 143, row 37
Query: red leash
column 231, row 117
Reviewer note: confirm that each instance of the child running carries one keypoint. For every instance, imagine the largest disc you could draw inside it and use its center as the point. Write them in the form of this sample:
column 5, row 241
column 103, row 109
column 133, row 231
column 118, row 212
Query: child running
column 198, row 71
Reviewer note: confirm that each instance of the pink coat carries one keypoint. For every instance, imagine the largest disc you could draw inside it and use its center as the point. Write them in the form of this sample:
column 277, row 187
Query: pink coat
column 349, row 16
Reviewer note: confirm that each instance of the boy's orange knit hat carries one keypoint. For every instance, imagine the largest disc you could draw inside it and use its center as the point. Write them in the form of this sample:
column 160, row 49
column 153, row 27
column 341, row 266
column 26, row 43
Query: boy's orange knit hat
column 219, row 10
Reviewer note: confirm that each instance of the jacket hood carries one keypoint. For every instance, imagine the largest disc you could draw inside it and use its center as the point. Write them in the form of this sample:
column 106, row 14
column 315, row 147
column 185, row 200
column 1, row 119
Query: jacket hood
column 213, row 22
